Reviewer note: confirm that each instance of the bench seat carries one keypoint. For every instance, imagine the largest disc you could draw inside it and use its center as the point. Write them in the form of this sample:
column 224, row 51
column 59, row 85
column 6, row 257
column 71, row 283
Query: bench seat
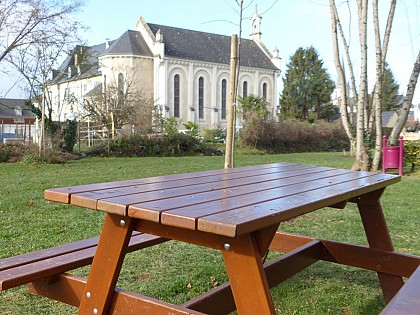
column 407, row 300
column 26, row 268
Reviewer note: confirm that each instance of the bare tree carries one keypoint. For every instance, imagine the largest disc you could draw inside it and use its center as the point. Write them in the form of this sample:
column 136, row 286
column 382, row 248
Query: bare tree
column 27, row 22
column 405, row 108
column 364, row 124
column 116, row 106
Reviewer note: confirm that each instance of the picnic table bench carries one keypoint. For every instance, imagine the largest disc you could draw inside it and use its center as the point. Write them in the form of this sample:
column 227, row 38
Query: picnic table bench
column 236, row 211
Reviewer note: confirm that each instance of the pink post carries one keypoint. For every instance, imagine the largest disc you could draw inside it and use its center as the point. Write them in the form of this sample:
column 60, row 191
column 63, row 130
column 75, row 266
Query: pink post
column 400, row 166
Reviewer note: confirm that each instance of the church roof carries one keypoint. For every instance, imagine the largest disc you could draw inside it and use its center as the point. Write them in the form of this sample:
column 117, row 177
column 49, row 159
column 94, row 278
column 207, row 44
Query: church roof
column 129, row 43
column 179, row 43
column 89, row 63
column 201, row 46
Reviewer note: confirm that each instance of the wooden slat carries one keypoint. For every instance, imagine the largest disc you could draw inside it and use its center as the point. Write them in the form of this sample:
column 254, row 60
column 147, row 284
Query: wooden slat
column 407, row 300
column 118, row 201
column 367, row 258
column 63, row 194
column 250, row 218
column 46, row 263
column 178, row 210
column 24, row 259
column 69, row 289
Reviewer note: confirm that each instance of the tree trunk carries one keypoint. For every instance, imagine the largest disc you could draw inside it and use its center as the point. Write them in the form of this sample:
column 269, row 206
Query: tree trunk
column 381, row 51
column 341, row 77
column 362, row 160
column 405, row 108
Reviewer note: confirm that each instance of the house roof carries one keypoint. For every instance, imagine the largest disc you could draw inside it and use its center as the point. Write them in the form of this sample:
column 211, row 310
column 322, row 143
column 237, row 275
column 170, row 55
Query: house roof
column 387, row 116
column 201, row 46
column 129, row 43
column 10, row 108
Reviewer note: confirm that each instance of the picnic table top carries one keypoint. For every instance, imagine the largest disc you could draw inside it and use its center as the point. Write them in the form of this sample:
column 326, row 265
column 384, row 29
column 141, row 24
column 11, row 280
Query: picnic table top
column 227, row 202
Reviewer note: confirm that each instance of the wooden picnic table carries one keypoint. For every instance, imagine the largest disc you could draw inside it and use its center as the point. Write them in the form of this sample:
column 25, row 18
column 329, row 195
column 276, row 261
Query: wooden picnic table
column 236, row 211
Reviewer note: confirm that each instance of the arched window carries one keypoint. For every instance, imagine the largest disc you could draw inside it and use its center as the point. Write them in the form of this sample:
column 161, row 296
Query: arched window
column 224, row 99
column 120, row 88
column 264, row 91
column 120, row 83
column 201, row 98
column 176, row 95
column 245, row 89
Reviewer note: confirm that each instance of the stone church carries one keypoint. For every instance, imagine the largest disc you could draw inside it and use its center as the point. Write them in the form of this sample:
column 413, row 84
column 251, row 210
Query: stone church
column 185, row 72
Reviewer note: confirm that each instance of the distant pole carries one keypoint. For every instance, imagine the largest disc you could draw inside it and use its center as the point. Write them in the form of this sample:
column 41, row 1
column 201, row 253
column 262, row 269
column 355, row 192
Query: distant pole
column 230, row 135
column 41, row 134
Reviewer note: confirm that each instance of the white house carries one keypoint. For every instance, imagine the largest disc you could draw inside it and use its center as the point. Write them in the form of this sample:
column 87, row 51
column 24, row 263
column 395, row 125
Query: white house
column 186, row 72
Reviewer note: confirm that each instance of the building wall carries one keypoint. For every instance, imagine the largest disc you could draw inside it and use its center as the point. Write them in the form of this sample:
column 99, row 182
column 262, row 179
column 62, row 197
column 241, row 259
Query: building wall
column 213, row 74
column 67, row 97
column 137, row 72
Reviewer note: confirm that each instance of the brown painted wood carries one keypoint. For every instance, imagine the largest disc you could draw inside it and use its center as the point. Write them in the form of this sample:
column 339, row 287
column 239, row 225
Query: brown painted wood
column 246, row 274
column 378, row 237
column 285, row 242
column 242, row 220
column 407, row 300
column 19, row 270
column 264, row 238
column 241, row 207
column 185, row 211
column 69, row 289
column 106, row 265
column 368, row 258
column 189, row 236
column 196, row 190
column 64, row 194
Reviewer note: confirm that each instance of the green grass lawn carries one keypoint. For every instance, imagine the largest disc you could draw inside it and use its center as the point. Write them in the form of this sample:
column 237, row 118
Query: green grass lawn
column 176, row 272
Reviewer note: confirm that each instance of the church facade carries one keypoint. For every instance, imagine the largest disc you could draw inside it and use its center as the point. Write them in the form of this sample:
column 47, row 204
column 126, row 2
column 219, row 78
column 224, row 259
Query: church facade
column 185, row 72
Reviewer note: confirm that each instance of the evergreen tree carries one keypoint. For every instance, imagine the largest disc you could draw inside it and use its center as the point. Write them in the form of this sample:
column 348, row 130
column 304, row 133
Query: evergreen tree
column 307, row 85
column 389, row 95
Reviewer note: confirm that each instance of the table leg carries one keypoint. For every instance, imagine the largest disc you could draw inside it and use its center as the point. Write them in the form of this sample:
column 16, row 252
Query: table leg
column 106, row 265
column 246, row 274
column 378, row 237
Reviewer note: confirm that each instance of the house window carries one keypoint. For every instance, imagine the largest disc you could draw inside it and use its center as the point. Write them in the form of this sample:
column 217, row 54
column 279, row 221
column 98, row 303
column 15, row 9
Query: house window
column 176, row 95
column 245, row 89
column 223, row 99
column 264, row 90
column 201, row 98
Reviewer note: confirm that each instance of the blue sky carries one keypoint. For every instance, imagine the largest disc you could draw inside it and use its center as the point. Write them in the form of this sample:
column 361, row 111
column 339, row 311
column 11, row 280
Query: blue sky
column 286, row 24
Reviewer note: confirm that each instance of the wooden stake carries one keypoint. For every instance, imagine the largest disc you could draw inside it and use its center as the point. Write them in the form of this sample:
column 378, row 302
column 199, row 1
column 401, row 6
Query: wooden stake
column 230, row 135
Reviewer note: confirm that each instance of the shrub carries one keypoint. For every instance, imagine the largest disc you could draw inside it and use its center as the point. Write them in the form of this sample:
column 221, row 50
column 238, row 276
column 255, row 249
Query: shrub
column 69, row 135
column 28, row 154
column 214, row 135
column 293, row 136
column 173, row 144
column 13, row 152
column 412, row 153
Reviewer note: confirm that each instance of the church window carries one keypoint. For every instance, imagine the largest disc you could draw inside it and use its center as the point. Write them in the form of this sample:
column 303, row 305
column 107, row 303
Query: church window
column 120, row 88
column 176, row 95
column 201, row 98
column 264, row 91
column 224, row 99
column 245, row 89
